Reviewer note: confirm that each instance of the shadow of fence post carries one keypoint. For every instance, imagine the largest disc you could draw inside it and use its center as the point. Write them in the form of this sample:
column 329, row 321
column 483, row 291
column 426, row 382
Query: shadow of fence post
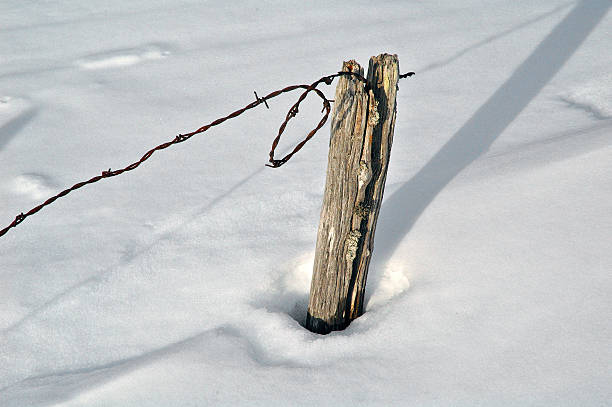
column 402, row 209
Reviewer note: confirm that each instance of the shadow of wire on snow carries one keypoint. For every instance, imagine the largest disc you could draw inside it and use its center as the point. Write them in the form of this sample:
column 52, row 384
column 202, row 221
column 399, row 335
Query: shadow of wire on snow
column 402, row 209
column 443, row 62
column 132, row 254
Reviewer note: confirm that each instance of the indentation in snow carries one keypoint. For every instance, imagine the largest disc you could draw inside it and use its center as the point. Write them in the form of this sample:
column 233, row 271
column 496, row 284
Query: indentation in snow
column 289, row 292
column 593, row 96
column 37, row 186
column 123, row 57
column 9, row 104
column 392, row 283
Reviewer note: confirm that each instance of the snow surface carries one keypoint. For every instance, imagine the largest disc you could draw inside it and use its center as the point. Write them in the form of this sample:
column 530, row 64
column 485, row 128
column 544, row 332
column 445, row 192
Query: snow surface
column 184, row 283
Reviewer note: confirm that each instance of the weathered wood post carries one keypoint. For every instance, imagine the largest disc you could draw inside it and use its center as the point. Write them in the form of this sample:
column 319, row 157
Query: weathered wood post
column 361, row 135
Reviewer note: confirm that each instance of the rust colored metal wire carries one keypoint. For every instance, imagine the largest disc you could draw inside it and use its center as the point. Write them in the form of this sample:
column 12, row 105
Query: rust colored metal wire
column 274, row 163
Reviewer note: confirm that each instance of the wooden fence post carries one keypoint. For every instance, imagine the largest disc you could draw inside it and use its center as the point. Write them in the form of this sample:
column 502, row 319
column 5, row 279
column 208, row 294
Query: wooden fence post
column 361, row 135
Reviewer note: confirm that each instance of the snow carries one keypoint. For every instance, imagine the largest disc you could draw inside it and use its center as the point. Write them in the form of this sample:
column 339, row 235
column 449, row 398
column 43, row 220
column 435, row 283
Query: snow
column 593, row 95
column 185, row 282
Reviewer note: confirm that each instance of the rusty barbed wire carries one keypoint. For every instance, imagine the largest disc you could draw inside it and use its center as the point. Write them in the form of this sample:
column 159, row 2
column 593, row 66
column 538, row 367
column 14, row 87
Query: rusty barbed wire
column 180, row 138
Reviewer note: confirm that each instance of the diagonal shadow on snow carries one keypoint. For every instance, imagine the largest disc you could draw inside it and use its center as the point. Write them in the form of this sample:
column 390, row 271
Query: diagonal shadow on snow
column 59, row 386
column 402, row 209
column 63, row 385
column 446, row 61
column 131, row 255
column 15, row 125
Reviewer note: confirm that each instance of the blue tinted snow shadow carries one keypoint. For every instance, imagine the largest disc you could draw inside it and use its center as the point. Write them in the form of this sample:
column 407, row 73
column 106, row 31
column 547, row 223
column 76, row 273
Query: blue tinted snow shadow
column 15, row 125
column 402, row 209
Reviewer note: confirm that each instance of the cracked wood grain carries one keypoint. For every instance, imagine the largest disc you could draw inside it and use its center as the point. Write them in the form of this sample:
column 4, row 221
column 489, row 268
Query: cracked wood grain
column 361, row 136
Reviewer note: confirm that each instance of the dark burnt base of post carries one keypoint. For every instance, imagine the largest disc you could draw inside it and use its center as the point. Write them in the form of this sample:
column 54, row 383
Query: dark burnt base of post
column 319, row 326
